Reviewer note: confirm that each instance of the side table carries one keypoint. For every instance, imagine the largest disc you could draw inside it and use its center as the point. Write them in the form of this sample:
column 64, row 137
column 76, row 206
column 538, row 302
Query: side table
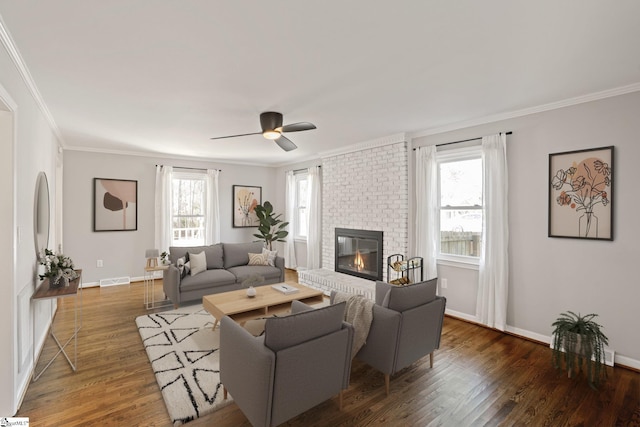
column 73, row 290
column 149, row 287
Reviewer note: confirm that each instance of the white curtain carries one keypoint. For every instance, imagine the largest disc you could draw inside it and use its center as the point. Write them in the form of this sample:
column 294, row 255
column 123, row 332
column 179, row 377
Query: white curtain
column 289, row 215
column 314, row 208
column 163, row 236
column 491, row 308
column 212, row 220
column 427, row 208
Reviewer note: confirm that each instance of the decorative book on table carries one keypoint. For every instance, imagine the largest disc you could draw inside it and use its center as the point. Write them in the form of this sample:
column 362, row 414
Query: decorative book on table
column 285, row 289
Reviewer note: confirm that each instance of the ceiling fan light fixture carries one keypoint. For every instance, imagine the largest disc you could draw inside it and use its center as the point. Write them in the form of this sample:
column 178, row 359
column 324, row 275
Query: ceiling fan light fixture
column 271, row 134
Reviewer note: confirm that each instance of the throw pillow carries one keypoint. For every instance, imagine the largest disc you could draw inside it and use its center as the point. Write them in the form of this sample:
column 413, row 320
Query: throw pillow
column 270, row 256
column 198, row 262
column 180, row 262
column 256, row 259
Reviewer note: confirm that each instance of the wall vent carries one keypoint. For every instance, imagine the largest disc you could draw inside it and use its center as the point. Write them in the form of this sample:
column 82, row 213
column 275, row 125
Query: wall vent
column 115, row 281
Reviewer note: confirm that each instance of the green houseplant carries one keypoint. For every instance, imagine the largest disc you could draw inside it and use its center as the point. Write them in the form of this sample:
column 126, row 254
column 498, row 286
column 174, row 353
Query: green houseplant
column 271, row 227
column 579, row 339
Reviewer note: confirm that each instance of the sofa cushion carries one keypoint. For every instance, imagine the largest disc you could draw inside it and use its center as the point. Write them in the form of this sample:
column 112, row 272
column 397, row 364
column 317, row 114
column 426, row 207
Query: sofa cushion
column 245, row 271
column 285, row 332
column 213, row 253
column 256, row 259
column 198, row 262
column 207, row 279
column 238, row 253
column 401, row 298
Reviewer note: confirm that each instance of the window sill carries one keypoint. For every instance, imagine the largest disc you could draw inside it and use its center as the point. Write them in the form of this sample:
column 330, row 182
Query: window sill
column 300, row 240
column 459, row 262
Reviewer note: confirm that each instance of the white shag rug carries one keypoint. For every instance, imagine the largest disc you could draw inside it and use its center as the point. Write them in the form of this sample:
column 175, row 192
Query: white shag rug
column 184, row 355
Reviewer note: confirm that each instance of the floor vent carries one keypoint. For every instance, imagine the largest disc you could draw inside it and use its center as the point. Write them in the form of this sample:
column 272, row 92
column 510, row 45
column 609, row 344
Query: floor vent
column 115, row 281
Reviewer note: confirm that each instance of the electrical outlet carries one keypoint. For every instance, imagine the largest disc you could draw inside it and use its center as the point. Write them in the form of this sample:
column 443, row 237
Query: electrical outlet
column 443, row 283
column 99, row 263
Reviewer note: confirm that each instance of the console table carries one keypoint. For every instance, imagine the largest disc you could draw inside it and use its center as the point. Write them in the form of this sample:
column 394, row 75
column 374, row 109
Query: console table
column 73, row 290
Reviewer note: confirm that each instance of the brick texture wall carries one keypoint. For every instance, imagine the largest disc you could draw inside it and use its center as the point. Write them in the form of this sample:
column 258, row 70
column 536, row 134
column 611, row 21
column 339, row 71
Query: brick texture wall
column 366, row 190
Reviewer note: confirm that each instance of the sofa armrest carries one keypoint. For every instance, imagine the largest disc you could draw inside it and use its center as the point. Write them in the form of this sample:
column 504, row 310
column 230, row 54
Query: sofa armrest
column 299, row 307
column 381, row 345
column 420, row 332
column 171, row 284
column 247, row 371
column 280, row 264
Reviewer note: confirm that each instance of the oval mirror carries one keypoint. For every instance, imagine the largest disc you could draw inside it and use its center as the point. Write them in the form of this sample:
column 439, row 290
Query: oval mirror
column 41, row 214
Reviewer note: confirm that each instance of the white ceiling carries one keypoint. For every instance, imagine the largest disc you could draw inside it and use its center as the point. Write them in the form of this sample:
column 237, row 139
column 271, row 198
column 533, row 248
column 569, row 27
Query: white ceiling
column 163, row 76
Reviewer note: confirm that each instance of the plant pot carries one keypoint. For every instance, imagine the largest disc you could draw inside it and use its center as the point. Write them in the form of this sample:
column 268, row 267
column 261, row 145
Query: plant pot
column 251, row 292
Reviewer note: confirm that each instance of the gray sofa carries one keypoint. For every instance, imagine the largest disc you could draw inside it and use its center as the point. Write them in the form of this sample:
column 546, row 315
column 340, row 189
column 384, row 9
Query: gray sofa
column 300, row 361
column 227, row 268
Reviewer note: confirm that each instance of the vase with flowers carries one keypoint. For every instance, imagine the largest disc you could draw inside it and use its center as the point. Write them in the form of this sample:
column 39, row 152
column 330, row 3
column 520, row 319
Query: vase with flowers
column 58, row 268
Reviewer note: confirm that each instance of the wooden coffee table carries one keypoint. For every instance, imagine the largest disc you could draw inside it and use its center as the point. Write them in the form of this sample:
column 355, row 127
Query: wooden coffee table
column 267, row 301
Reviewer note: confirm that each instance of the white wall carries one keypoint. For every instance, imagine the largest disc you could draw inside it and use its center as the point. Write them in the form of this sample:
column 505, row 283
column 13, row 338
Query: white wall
column 122, row 252
column 28, row 148
column 552, row 275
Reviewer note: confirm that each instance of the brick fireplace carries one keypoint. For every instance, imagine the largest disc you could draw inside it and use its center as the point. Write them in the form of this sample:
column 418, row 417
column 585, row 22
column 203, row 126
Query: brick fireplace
column 367, row 189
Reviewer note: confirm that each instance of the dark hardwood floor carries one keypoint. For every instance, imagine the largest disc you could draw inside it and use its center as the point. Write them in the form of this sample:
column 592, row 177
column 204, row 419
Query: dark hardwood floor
column 480, row 377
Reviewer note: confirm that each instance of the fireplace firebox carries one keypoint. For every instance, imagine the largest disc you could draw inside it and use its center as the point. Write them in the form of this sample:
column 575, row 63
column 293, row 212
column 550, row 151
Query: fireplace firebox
column 359, row 253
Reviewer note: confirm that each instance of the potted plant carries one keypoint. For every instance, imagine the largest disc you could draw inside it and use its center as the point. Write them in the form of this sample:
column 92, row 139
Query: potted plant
column 579, row 339
column 271, row 227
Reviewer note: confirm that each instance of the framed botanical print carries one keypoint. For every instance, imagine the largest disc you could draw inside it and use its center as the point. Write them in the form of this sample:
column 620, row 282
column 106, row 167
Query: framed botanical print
column 245, row 199
column 581, row 194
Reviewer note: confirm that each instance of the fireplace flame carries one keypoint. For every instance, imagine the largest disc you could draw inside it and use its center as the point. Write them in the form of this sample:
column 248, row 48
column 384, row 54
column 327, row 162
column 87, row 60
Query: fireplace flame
column 358, row 262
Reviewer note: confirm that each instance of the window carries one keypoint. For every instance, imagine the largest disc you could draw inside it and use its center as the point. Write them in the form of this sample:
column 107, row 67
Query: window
column 301, row 227
column 188, row 209
column 460, row 203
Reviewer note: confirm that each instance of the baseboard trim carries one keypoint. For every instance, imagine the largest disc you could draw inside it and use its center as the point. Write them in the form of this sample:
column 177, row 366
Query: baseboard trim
column 612, row 359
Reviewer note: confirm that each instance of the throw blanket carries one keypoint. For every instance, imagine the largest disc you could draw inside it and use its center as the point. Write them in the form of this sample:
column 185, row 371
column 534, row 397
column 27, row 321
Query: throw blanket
column 358, row 312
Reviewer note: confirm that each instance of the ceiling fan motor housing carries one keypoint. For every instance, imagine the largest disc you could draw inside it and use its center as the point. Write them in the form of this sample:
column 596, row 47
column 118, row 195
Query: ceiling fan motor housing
column 270, row 120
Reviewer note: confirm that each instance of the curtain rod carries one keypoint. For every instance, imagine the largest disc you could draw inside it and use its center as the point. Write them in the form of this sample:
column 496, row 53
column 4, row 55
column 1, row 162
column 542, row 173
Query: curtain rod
column 193, row 169
column 463, row 140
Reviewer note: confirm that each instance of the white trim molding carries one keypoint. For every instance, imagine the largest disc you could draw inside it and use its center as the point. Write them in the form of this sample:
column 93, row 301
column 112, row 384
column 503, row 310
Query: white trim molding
column 366, row 145
column 16, row 57
column 609, row 93
column 611, row 358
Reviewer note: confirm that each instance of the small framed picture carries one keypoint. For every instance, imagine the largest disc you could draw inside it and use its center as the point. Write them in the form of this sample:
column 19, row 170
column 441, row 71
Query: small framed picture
column 115, row 204
column 581, row 194
column 245, row 199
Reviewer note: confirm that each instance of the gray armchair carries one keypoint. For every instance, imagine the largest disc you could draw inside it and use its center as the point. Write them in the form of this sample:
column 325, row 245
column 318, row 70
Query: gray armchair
column 406, row 326
column 300, row 361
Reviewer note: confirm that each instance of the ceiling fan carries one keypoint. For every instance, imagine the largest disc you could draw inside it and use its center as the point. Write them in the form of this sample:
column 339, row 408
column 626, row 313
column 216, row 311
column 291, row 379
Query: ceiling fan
column 272, row 128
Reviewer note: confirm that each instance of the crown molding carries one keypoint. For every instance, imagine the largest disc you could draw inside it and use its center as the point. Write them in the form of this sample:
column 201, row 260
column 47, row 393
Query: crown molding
column 609, row 93
column 366, row 145
column 16, row 57
column 165, row 156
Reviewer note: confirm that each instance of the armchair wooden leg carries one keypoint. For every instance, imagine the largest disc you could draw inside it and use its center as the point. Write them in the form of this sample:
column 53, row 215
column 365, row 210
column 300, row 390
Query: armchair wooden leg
column 340, row 399
column 431, row 359
column 386, row 383
column 224, row 392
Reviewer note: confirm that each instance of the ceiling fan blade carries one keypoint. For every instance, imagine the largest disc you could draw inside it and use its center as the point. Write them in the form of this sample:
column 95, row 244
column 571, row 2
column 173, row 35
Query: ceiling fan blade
column 233, row 136
column 285, row 143
column 297, row 127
